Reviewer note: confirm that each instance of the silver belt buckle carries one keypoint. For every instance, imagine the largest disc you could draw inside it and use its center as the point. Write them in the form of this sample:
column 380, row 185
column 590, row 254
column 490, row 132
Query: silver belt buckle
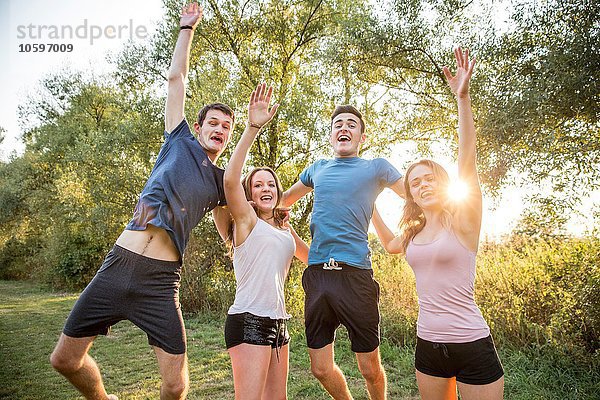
column 332, row 265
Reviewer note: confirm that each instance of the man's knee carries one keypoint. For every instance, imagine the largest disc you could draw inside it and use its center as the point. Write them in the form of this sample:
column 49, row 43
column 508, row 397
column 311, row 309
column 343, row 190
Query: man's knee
column 372, row 371
column 322, row 370
column 64, row 362
column 176, row 388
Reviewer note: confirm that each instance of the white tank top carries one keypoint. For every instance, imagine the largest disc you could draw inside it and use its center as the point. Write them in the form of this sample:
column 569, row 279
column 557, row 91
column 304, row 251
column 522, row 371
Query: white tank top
column 261, row 265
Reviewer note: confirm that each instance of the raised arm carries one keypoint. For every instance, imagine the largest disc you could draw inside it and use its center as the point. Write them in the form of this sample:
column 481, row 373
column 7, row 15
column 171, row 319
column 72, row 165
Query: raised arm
column 294, row 193
column 390, row 242
column 398, row 188
column 222, row 218
column 174, row 109
column 469, row 211
column 258, row 115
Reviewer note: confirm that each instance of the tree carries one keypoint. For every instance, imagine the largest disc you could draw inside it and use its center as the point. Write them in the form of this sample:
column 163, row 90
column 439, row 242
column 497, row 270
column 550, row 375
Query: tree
column 89, row 148
column 540, row 100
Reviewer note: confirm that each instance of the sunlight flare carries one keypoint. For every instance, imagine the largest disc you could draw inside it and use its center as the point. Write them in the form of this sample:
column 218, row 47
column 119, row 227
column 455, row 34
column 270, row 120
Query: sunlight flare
column 457, row 190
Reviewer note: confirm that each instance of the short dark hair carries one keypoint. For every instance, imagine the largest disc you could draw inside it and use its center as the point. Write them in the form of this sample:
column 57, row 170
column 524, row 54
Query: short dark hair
column 347, row 108
column 215, row 106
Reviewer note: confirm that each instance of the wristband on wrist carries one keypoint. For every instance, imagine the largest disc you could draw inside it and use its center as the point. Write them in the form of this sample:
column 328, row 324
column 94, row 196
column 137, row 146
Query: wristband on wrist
column 254, row 125
column 191, row 28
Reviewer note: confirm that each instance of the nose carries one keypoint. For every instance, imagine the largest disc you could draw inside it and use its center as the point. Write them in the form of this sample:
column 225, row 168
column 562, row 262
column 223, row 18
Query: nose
column 218, row 129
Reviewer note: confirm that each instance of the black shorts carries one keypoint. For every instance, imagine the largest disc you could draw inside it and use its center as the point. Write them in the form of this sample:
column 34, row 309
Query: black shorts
column 349, row 297
column 142, row 290
column 473, row 363
column 252, row 329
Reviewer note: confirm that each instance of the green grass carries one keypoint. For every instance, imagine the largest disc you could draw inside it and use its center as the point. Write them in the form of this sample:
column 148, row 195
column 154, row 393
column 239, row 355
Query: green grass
column 31, row 319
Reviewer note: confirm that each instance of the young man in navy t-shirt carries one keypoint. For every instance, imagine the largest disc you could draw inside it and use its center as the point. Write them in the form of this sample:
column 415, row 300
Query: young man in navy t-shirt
column 339, row 283
column 139, row 279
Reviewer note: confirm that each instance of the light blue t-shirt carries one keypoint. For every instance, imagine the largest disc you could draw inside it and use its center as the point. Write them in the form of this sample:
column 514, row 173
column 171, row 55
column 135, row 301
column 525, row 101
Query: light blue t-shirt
column 345, row 192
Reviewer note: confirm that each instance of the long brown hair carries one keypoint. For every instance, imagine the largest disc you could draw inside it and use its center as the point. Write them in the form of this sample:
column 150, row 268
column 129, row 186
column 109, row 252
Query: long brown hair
column 413, row 220
column 247, row 184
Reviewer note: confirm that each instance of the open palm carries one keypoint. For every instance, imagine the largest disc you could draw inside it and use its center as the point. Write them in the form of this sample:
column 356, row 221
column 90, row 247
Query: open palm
column 191, row 15
column 459, row 83
column 258, row 108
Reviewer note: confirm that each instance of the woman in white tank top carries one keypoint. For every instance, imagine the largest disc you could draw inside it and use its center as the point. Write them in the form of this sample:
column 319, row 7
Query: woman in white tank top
column 440, row 240
column 263, row 247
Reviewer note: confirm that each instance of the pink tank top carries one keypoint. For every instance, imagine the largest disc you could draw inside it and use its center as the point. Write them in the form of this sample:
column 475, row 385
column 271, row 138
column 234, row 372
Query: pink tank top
column 445, row 274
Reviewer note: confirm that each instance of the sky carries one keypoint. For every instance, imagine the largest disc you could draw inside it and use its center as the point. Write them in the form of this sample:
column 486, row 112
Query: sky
column 77, row 23
column 97, row 28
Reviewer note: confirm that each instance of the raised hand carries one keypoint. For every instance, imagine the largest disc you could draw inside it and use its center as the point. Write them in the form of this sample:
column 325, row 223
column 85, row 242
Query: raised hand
column 459, row 83
column 258, row 107
column 191, row 15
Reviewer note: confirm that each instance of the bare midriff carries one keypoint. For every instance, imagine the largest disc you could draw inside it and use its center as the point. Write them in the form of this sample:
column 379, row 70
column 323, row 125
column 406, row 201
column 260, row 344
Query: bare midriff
column 153, row 243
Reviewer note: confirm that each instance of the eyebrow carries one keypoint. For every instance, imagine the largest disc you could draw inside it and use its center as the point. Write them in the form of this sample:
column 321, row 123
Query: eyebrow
column 218, row 120
column 418, row 177
column 342, row 120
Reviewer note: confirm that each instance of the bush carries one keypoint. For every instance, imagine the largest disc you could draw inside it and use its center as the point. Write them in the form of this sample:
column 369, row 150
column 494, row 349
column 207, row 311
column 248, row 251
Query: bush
column 71, row 259
column 15, row 258
column 207, row 281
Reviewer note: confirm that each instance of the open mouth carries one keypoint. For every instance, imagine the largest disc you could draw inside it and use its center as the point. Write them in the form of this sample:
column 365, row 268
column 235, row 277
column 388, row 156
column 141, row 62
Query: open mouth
column 426, row 194
column 217, row 139
column 343, row 138
column 266, row 197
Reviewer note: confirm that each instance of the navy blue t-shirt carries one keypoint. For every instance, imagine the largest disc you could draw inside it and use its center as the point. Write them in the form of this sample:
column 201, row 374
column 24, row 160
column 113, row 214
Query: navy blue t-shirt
column 345, row 193
column 183, row 186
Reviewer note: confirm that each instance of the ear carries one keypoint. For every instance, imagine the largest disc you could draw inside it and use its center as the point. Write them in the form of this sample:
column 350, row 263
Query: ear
column 363, row 138
column 196, row 127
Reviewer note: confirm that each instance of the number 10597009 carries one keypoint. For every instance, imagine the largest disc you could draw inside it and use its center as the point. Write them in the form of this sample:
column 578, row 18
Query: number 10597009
column 45, row 48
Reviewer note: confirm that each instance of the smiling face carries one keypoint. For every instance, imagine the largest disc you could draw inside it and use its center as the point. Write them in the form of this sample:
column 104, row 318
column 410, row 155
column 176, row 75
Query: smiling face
column 426, row 186
column 346, row 135
column 264, row 191
column 214, row 133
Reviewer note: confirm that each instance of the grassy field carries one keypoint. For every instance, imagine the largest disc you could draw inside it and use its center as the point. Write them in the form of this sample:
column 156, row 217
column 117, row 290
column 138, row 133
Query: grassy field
column 31, row 319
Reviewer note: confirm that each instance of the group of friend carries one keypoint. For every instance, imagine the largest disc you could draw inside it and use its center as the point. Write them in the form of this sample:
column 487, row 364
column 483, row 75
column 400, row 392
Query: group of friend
column 139, row 279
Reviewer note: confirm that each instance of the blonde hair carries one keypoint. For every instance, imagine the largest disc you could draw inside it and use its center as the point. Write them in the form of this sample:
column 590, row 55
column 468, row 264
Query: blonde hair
column 413, row 220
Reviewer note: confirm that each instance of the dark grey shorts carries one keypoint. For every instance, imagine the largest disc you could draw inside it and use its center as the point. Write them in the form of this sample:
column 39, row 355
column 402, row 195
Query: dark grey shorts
column 142, row 290
column 349, row 297
column 473, row 363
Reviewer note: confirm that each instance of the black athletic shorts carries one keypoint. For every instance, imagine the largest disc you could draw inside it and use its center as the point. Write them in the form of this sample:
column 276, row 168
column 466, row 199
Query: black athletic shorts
column 252, row 329
column 349, row 297
column 142, row 290
column 473, row 363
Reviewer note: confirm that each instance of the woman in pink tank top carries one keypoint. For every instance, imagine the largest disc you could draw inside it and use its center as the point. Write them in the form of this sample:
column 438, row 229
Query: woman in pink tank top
column 440, row 240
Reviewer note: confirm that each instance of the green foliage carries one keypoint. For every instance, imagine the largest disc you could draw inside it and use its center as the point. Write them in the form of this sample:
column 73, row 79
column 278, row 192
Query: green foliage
column 543, row 293
column 540, row 98
column 89, row 149
column 14, row 259
column 208, row 282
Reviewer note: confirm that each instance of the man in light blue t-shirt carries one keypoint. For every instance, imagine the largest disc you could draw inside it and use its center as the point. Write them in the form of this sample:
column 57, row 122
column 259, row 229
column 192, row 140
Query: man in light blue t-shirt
column 339, row 284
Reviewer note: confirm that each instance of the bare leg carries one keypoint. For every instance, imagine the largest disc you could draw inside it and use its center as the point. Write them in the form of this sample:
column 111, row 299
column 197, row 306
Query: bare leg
column 435, row 388
column 70, row 357
column 174, row 373
column 371, row 369
column 276, row 385
column 328, row 373
column 250, row 364
column 491, row 391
